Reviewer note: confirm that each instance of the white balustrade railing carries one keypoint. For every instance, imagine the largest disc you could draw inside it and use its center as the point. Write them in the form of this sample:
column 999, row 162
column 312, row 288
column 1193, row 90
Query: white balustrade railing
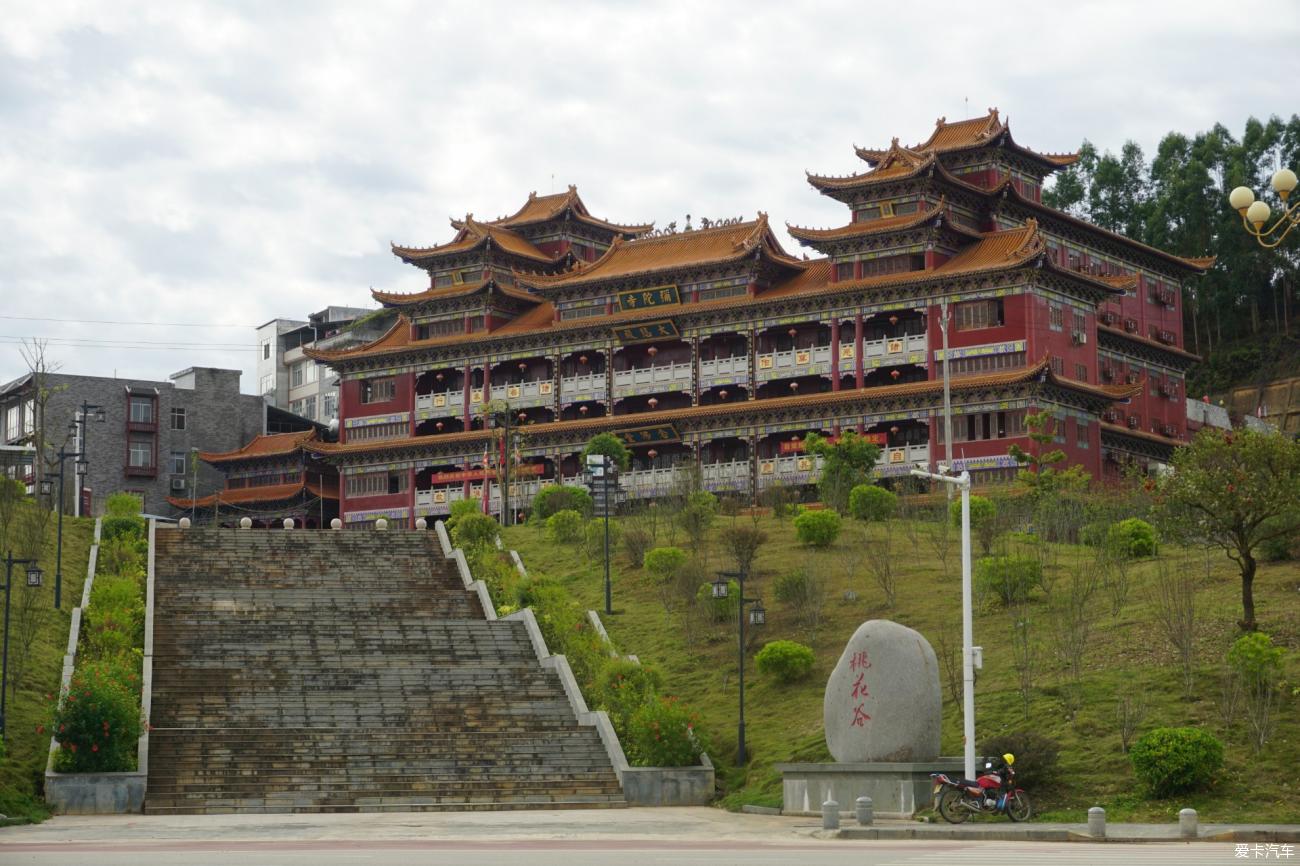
column 891, row 346
column 590, row 384
column 532, row 392
column 663, row 374
column 452, row 401
column 641, row 480
column 737, row 365
column 725, row 471
column 439, row 496
column 776, row 365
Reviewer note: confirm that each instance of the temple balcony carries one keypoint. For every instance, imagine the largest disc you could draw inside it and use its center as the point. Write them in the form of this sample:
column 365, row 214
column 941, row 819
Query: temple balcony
column 672, row 376
column 522, row 395
column 793, row 363
column 439, row 499
column 583, row 388
column 896, row 350
column 794, row 470
column 724, row 371
column 439, row 403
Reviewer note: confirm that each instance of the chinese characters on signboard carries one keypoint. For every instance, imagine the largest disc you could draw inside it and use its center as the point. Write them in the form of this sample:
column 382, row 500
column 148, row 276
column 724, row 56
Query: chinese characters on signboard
column 859, row 664
column 648, row 435
column 643, row 298
column 646, row 332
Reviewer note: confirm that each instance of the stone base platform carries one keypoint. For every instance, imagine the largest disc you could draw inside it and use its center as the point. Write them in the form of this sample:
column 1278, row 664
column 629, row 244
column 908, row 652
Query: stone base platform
column 896, row 790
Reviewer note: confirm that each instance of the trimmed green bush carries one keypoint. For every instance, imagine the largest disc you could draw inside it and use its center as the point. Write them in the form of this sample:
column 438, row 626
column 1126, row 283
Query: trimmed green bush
column 1009, row 578
column 983, row 519
column 1133, row 537
column 114, row 621
column 872, row 503
column 622, row 688
column 463, row 508
column 124, row 526
column 662, row 734
column 565, row 526
column 719, row 609
column 97, row 719
column 474, row 530
column 123, row 505
column 817, row 528
column 786, row 660
column 1174, row 760
column 554, row 498
column 1036, row 756
column 664, row 563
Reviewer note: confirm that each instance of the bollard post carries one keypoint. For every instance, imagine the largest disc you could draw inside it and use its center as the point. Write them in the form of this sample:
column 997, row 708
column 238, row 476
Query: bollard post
column 336, row 524
column 245, row 523
column 381, row 524
column 1097, row 822
column 1187, row 824
column 830, row 815
column 288, row 523
column 865, row 811
column 185, row 523
column 421, row 523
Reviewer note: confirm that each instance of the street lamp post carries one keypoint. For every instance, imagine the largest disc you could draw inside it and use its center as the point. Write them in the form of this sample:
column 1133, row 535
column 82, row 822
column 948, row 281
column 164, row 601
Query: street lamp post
column 757, row 617
column 89, row 412
column 970, row 654
column 81, row 466
column 33, row 579
column 1254, row 214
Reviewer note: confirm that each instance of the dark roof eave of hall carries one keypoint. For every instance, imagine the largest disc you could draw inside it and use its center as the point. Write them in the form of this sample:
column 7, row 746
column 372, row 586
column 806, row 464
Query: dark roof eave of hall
column 1184, row 357
column 1040, row 373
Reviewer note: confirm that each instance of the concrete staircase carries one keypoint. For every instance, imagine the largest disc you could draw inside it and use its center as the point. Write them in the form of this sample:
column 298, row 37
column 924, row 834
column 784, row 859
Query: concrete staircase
column 311, row 671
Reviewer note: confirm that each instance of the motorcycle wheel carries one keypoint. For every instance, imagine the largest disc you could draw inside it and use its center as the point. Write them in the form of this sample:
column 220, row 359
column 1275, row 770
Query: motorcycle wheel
column 1019, row 808
column 951, row 807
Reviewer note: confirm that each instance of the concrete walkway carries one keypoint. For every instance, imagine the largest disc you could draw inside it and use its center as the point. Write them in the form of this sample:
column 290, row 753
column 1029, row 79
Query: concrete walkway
column 680, row 825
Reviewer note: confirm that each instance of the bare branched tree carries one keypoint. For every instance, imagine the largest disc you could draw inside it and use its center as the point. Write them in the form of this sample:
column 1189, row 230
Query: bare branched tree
column 882, row 562
column 43, row 390
column 1130, row 711
column 939, row 535
column 1071, row 618
column 1173, row 595
column 29, row 607
column 1024, row 652
column 947, row 647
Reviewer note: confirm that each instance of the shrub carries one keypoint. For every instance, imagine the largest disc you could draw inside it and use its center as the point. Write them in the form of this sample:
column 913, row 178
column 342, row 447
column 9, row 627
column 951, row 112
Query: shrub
column 817, row 528
column 122, row 527
column 873, row 503
column 1283, row 546
column 1133, row 537
column 622, row 687
column 463, row 508
column 743, row 542
column 983, row 519
column 594, row 543
column 97, row 720
column 565, row 526
column 783, row 499
column 123, row 505
column 554, row 498
column 1010, row 578
column 663, row 563
column 786, row 660
column 791, row 587
column 662, row 734
column 474, row 530
column 719, row 609
column 1174, row 760
column 609, row 445
column 1036, row 756
column 636, row 544
column 697, row 516
column 115, row 618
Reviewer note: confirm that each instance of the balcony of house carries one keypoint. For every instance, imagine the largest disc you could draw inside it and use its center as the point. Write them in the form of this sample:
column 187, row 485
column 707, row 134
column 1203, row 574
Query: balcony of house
column 524, row 383
column 793, row 387
column 440, row 393
column 896, row 340
column 724, row 361
column 782, row 458
column 437, row 487
column 585, row 409
column 791, row 352
column 721, row 394
column 653, row 369
column 658, row 470
column 582, row 378
column 653, row 403
column 437, row 426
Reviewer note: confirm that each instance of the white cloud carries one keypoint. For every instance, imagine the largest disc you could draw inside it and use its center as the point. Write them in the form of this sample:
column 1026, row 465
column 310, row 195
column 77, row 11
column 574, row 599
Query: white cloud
column 229, row 163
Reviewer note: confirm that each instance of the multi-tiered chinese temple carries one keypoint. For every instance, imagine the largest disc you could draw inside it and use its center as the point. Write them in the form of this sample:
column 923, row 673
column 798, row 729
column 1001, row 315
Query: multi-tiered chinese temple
column 714, row 350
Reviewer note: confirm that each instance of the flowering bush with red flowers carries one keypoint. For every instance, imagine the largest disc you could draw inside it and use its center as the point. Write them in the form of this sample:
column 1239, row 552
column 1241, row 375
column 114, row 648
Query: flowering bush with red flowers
column 97, row 720
column 664, row 733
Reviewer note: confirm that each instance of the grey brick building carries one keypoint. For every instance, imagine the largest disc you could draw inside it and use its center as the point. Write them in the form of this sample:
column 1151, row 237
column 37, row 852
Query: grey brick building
column 143, row 444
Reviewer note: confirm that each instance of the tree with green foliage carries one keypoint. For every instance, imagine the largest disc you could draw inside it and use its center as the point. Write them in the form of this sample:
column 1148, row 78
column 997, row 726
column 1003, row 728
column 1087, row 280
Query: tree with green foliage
column 1258, row 665
column 817, row 528
column 1234, row 490
column 609, row 445
column 664, row 563
column 847, row 463
column 983, row 520
column 872, row 503
column 1041, row 473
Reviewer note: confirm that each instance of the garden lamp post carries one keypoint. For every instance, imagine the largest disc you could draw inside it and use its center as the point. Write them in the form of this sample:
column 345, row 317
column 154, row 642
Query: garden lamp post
column 969, row 654
column 81, row 466
column 33, row 579
column 1254, row 214
column 757, row 617
column 89, row 412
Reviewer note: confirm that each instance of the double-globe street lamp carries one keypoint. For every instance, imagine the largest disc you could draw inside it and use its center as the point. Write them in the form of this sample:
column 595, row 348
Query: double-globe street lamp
column 33, row 580
column 81, row 465
column 1254, row 214
column 757, row 617
column 89, row 412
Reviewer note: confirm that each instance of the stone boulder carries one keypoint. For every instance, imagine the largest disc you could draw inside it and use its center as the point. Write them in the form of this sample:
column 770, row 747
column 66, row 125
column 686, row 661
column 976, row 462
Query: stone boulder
column 882, row 700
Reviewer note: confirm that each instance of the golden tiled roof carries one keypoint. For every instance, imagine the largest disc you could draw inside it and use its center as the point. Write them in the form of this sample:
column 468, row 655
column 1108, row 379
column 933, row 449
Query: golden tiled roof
column 867, row 227
column 541, row 208
column 892, row 164
column 269, row 493
column 1041, row 371
column 964, row 134
column 672, row 251
column 266, row 445
column 471, row 235
column 406, row 299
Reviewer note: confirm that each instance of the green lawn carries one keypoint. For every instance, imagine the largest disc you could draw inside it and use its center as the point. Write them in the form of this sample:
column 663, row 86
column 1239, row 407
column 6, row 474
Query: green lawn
column 22, row 773
column 1126, row 654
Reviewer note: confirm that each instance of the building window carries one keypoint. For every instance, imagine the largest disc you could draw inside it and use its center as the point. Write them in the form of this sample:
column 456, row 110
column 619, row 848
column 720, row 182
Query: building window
column 972, row 315
column 586, row 312
column 843, row 271
column 140, row 453
column 378, row 483
column 1058, row 366
column 442, row 328
column 330, row 406
column 177, row 462
column 866, row 213
column 309, row 408
column 178, row 418
column 296, row 375
column 1056, row 317
column 295, row 406
column 141, row 410
column 377, row 431
column 985, row 425
column 897, row 264
column 13, row 422
column 1081, row 372
column 1080, row 433
column 985, row 363
column 268, row 383
column 378, row 390
column 718, row 292
column 266, row 350
column 1080, row 322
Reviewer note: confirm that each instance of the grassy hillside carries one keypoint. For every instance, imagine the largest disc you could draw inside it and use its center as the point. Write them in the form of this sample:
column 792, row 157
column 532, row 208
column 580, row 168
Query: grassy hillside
column 1126, row 655
column 22, row 772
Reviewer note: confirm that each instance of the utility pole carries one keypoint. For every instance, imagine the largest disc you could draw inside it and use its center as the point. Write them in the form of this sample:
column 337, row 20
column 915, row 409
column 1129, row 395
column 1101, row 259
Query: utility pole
column 947, row 393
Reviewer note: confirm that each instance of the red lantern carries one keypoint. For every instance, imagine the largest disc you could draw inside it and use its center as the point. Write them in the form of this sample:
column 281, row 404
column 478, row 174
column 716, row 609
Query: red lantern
column 582, row 359
column 723, row 394
column 894, row 429
column 893, row 320
column 523, row 365
column 653, row 401
column 894, row 374
column 582, row 410
column 523, row 416
column 439, row 425
column 652, row 351
column 793, row 332
column 438, row 377
column 794, row 386
column 652, row 454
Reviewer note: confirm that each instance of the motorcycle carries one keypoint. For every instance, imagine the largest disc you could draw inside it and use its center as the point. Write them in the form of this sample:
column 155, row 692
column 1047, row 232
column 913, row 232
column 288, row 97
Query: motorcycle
column 993, row 792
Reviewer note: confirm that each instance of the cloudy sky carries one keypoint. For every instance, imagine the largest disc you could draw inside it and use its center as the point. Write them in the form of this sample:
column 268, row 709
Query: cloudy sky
column 205, row 167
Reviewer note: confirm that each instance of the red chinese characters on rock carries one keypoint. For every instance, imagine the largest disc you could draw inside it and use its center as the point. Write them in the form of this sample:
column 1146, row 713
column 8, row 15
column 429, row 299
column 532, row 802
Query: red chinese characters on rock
column 860, row 663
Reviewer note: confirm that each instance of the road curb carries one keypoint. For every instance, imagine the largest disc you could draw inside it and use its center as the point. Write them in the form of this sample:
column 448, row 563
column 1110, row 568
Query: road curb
column 1057, row 834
